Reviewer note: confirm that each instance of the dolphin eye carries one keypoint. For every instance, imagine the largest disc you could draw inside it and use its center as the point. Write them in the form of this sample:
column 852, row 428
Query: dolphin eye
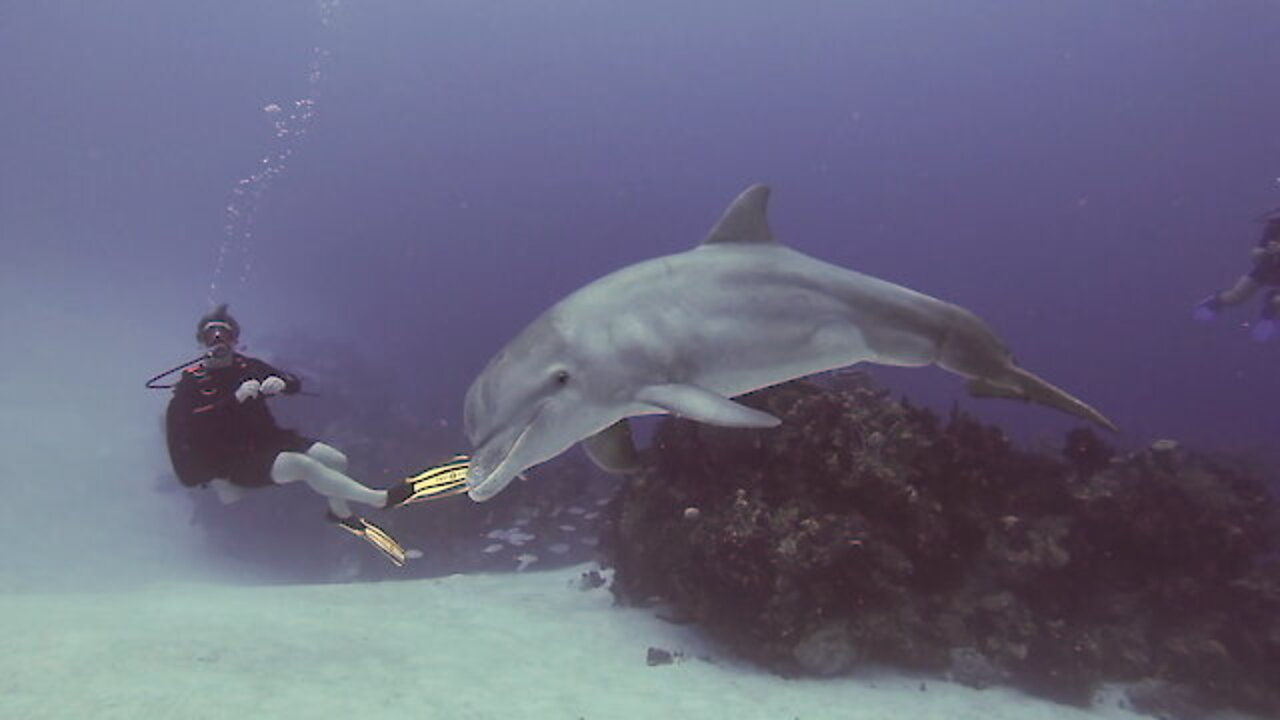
column 561, row 377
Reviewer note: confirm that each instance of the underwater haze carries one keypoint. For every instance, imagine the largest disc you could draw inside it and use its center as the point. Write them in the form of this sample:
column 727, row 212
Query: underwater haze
column 411, row 183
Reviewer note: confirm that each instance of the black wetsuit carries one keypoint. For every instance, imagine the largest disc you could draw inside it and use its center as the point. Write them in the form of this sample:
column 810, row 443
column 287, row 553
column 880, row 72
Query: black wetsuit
column 1266, row 269
column 211, row 435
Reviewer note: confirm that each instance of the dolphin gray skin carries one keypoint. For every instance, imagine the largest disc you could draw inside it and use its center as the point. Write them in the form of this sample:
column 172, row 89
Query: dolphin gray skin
column 684, row 333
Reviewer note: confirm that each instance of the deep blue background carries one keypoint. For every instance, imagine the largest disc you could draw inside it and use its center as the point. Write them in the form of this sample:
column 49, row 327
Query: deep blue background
column 1077, row 173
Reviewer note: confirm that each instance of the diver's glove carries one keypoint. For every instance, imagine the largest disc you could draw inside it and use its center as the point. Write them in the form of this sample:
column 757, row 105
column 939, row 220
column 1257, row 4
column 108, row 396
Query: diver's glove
column 273, row 385
column 248, row 389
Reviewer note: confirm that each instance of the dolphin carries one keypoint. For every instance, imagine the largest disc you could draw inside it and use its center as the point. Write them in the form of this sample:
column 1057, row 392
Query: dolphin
column 685, row 333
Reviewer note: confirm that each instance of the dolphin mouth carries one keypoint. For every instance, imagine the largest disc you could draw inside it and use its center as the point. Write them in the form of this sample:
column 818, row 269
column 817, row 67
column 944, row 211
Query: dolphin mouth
column 500, row 476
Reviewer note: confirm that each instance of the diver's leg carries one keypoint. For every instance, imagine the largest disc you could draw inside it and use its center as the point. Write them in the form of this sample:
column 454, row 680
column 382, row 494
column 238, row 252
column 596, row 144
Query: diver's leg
column 328, row 455
column 226, row 492
column 1245, row 287
column 292, row 467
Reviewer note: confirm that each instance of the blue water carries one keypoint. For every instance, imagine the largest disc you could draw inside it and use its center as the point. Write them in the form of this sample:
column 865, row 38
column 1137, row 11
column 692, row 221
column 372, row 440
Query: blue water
column 1076, row 173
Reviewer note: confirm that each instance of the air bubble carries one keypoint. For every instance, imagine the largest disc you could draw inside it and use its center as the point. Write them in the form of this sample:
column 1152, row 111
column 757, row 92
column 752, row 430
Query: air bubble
column 289, row 127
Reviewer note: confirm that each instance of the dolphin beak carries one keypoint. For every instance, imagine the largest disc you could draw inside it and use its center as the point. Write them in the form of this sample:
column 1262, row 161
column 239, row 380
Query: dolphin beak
column 484, row 485
column 481, row 492
column 481, row 482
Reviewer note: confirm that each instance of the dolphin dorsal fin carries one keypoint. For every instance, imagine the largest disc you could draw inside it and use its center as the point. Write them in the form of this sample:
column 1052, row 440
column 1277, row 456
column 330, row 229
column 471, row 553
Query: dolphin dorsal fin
column 746, row 221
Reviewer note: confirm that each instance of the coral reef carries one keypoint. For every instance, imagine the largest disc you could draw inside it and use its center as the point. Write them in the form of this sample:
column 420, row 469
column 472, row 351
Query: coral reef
column 865, row 529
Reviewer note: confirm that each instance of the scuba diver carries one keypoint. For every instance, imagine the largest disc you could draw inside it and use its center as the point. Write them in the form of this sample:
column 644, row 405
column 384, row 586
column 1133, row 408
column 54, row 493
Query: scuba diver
column 221, row 434
column 1265, row 273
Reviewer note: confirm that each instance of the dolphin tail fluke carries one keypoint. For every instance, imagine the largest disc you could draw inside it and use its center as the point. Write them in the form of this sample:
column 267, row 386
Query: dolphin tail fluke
column 1018, row 384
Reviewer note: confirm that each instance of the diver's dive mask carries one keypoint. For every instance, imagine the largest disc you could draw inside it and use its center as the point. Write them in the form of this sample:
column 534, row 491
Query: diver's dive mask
column 219, row 337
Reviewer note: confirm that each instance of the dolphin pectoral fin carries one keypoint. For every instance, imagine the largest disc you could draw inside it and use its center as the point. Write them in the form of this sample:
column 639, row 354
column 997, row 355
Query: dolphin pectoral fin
column 613, row 449
column 1030, row 388
column 704, row 406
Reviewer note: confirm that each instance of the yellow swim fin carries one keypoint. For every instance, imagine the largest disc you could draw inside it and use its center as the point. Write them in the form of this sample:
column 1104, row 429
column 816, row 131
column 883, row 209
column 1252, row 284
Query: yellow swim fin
column 375, row 536
column 433, row 483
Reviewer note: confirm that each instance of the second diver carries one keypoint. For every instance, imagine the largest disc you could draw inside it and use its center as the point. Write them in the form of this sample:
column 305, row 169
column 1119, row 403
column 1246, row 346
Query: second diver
column 1264, row 274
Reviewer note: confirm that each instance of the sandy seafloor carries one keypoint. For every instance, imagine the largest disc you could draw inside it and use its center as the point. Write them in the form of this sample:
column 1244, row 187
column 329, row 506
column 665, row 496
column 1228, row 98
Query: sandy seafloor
column 531, row 645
